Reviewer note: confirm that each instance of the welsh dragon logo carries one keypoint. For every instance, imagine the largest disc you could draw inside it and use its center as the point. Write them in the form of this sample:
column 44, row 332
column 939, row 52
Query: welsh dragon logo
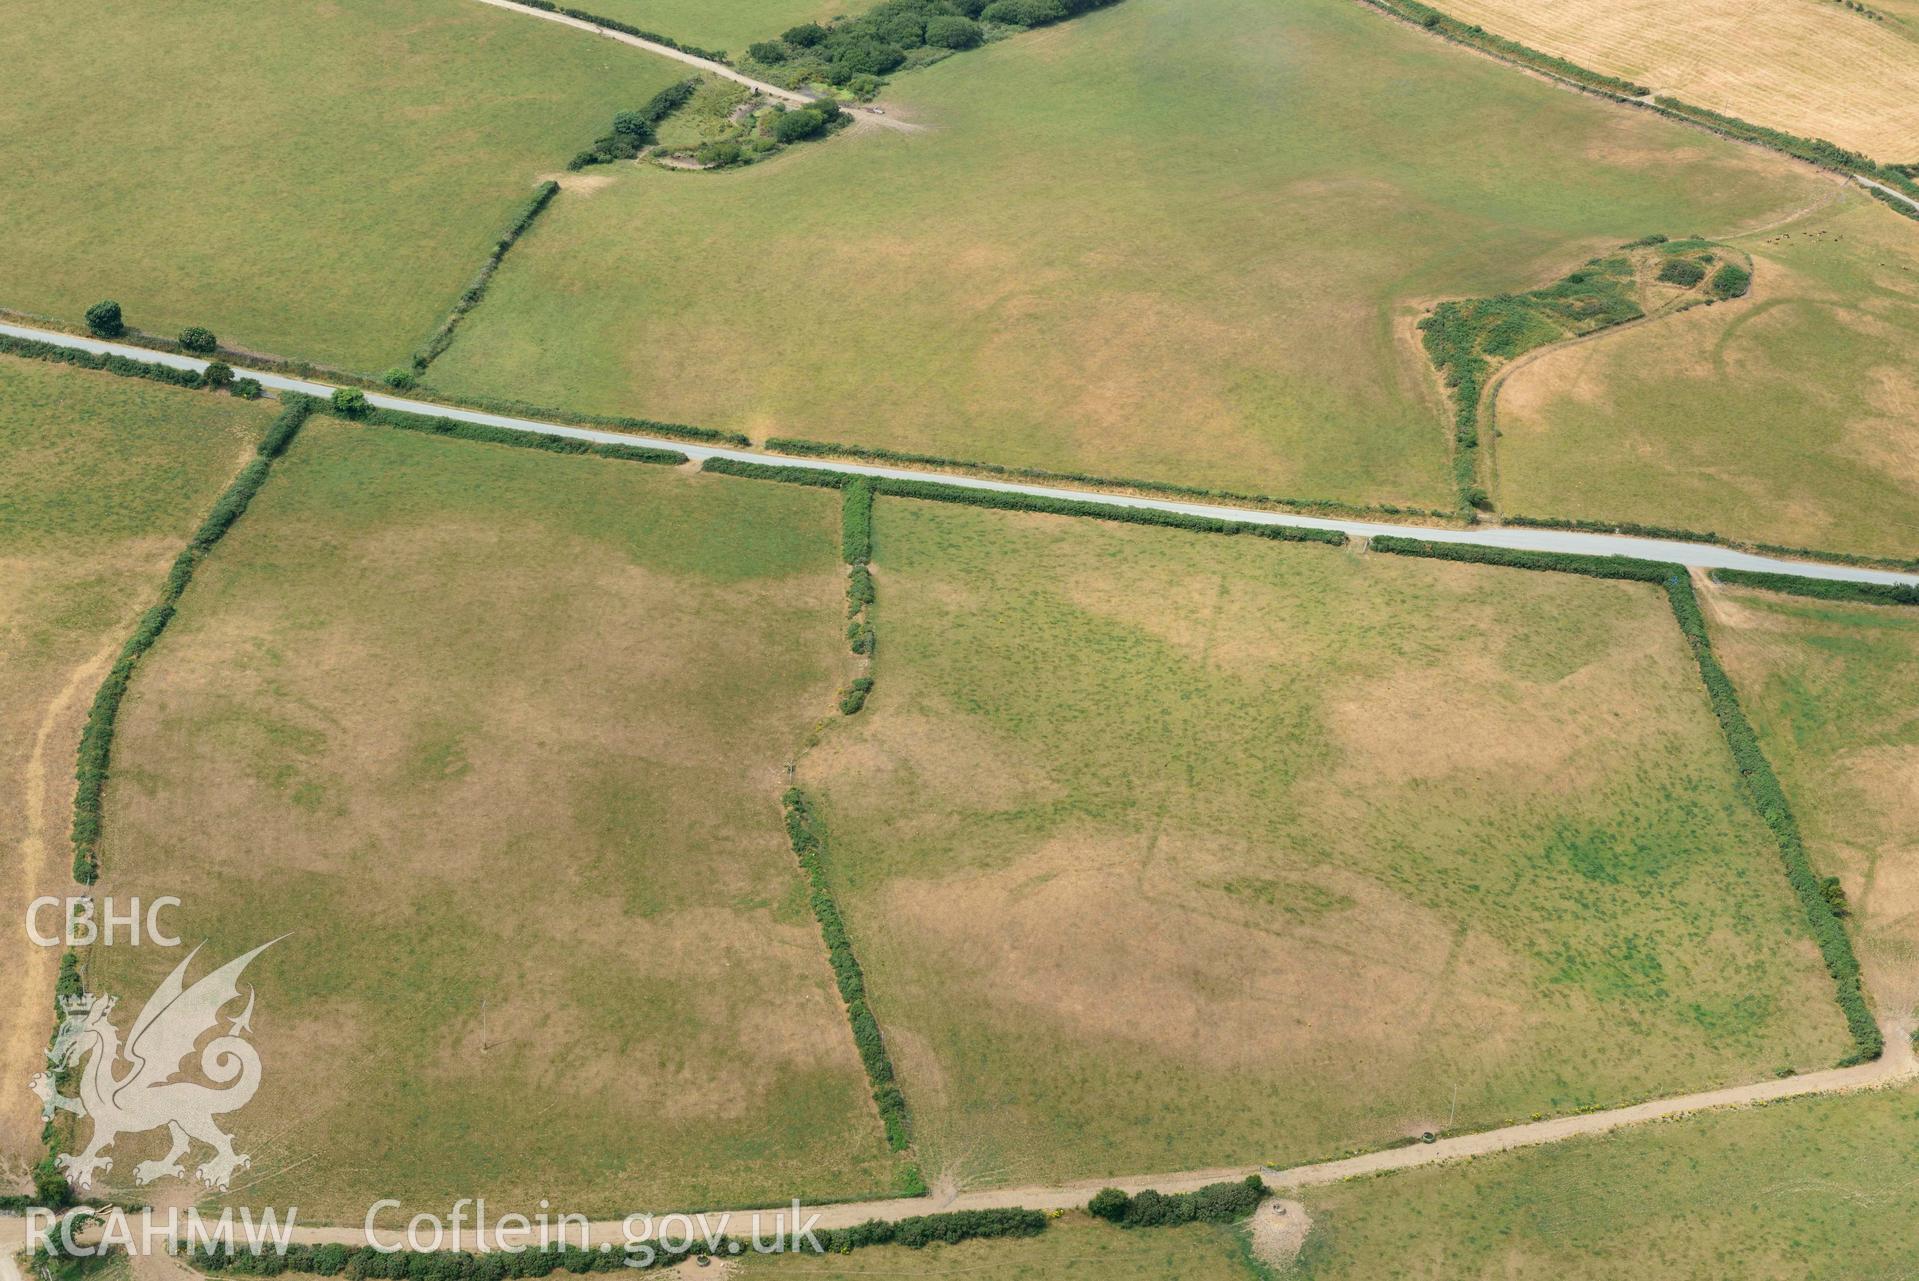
column 133, row 1088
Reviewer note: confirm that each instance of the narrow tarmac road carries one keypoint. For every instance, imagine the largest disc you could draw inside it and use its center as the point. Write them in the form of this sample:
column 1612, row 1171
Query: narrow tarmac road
column 1515, row 538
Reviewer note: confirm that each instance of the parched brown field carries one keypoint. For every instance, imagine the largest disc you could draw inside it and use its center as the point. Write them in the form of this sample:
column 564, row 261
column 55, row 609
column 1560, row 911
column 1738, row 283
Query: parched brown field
column 105, row 479
column 1834, row 693
column 1809, row 67
column 495, row 738
column 1164, row 852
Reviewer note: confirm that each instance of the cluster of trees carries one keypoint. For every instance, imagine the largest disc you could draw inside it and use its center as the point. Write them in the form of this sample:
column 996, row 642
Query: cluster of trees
column 857, row 51
column 1214, row 1203
column 634, row 130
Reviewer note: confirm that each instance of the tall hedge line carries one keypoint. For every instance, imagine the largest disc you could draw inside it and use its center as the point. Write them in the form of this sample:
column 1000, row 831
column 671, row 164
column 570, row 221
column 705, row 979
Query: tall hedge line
column 547, row 413
column 1226, row 1202
column 802, row 830
column 125, row 366
column 1821, row 588
column 96, row 739
column 614, row 24
column 1317, row 506
column 469, row 298
column 856, row 548
column 361, row 1262
column 1761, row 784
column 1707, row 536
column 486, row 433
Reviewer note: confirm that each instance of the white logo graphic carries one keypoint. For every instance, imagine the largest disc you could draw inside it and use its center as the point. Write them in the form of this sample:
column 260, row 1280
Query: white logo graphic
column 145, row 1095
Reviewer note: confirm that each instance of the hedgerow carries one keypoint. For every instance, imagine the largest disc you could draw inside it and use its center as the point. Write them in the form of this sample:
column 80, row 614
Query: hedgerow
column 486, row 433
column 1227, row 1202
column 809, row 846
column 823, row 449
column 366, row 1262
column 1705, row 536
column 633, row 130
column 614, row 24
column 1821, row 588
column 856, row 548
column 648, row 426
column 126, row 367
column 96, row 738
column 469, row 298
column 1761, row 784
column 1511, row 50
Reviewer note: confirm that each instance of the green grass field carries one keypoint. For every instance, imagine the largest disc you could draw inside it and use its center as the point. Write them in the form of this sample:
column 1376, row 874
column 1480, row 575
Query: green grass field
column 105, row 479
column 728, row 26
column 1789, row 416
column 1173, row 240
column 1164, row 852
column 1074, row 1246
column 497, row 736
column 314, row 180
column 1809, row 1190
column 1831, row 690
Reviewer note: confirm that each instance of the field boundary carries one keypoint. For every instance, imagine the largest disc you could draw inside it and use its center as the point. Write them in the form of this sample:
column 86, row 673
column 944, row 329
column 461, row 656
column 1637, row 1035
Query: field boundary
column 442, row 336
column 1794, row 585
column 1817, row 152
column 96, row 738
column 1022, row 495
column 1758, row 781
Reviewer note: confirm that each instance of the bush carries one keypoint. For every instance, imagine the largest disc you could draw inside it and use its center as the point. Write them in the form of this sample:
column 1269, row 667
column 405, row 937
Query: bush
column 349, row 402
column 770, row 52
column 400, row 378
column 853, row 698
column 246, row 388
column 804, row 36
column 950, row 31
column 867, row 57
column 1215, row 1203
column 633, row 124
column 1682, row 271
column 50, row 1188
column 1024, row 13
column 199, row 340
column 104, row 320
column 797, row 126
column 217, row 374
column 1730, row 282
column 718, row 155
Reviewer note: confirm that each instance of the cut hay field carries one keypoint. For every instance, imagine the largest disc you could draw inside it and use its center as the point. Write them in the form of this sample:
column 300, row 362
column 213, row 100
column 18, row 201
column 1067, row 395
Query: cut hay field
column 496, row 738
column 1806, row 1190
column 1076, row 1246
column 1811, row 67
column 1168, row 240
column 105, row 480
column 1165, row 852
column 1833, row 691
column 314, row 180
column 728, row 26
column 1788, row 416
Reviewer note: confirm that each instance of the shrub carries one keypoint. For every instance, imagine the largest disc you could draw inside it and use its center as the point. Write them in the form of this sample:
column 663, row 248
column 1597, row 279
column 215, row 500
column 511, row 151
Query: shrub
column 853, row 698
column 1835, row 895
column 797, row 126
column 770, row 52
column 1730, row 282
column 104, row 320
column 867, row 57
column 633, row 124
column 1215, row 1203
column 1682, row 271
column 1024, row 13
column 246, row 388
column 718, row 155
column 217, row 374
column 50, row 1188
column 350, row 402
column 400, row 378
column 196, row 338
column 804, row 36
column 1821, row 588
column 950, row 31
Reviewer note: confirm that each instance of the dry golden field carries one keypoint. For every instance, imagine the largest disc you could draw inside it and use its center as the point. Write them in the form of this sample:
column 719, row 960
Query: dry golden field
column 1808, row 66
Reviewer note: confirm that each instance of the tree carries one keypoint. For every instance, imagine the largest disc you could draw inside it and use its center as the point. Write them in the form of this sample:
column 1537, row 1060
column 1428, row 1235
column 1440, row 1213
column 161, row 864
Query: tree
column 350, row 401
column 218, row 374
column 770, row 52
column 103, row 318
column 1109, row 1204
column 869, row 57
column 804, row 36
column 634, row 125
column 718, row 155
column 50, row 1187
column 950, row 31
column 400, row 378
column 246, row 388
column 198, row 339
column 797, row 126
